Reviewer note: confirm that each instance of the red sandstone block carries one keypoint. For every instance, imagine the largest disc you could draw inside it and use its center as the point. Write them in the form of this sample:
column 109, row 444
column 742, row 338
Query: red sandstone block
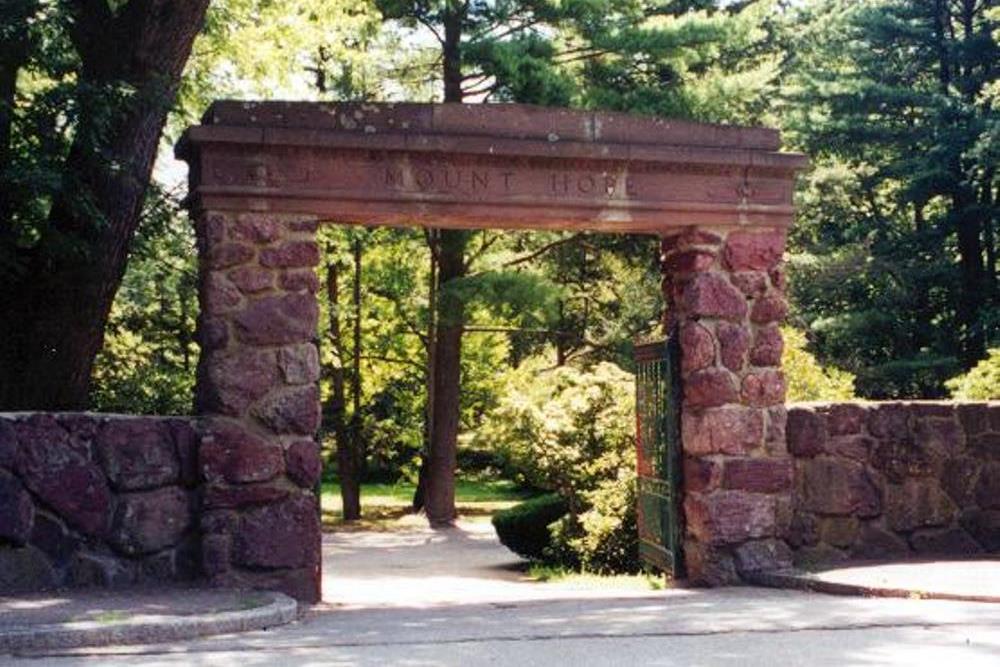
column 752, row 283
column 689, row 236
column 219, row 496
column 225, row 255
column 763, row 388
column 806, row 432
column 255, row 228
column 761, row 475
column 251, row 279
column 295, row 411
column 236, row 378
column 231, row 453
column 280, row 535
column 697, row 347
column 711, row 295
column 709, row 388
column 754, row 251
column 701, row 474
column 300, row 281
column 769, row 308
column 688, row 261
column 768, row 346
column 218, row 294
column 725, row 430
column 734, row 343
column 299, row 363
column 291, row 254
column 303, row 463
column 774, row 437
column 278, row 320
column 839, row 487
column 729, row 517
column 309, row 226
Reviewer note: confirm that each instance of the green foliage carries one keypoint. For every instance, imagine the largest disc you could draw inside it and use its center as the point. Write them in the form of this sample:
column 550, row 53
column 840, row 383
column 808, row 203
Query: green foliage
column 524, row 528
column 571, row 431
column 982, row 383
column 807, row 379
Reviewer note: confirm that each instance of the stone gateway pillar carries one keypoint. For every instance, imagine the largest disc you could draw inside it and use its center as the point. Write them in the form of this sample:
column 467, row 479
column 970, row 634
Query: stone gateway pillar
column 724, row 290
column 257, row 391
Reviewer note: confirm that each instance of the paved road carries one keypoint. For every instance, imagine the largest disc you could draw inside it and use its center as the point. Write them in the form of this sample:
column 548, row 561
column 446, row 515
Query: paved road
column 395, row 621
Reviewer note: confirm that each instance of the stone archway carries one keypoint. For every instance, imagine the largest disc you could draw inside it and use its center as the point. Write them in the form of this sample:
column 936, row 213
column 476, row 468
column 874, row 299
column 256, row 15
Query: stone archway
column 263, row 175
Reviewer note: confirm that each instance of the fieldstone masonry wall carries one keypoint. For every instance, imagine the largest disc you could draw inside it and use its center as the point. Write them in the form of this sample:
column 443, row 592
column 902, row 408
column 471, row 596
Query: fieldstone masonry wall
column 894, row 480
column 259, row 398
column 724, row 291
column 101, row 500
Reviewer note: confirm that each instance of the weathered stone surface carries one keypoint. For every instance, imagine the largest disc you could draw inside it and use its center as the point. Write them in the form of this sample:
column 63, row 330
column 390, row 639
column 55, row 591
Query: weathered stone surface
column 302, row 463
column 984, row 526
column 255, row 228
column 754, row 251
column 726, row 430
column 940, row 438
column 803, row 529
column 729, row 517
column 701, row 474
column 948, row 542
column 779, row 279
column 752, row 283
column 767, row 346
column 243, row 495
column 763, row 388
column 251, row 279
column 734, row 344
column 212, row 333
column 762, row 555
column 806, row 432
column 230, row 453
column 769, row 308
column 17, row 512
column 295, row 411
column 25, row 570
column 697, row 347
column 959, row 479
column 775, row 437
column 211, row 229
column 152, row 520
column 900, row 459
column 994, row 410
column 50, row 535
column 688, row 237
column 985, row 445
column 813, row 556
column 62, row 475
column 306, row 226
column 889, row 420
column 840, row 531
column 285, row 534
column 293, row 254
column 299, row 363
column 711, row 295
column 917, row 503
column 278, row 320
column 8, row 444
column 988, row 487
column 225, row 255
column 186, row 440
column 974, row 417
column 689, row 261
column 845, row 418
column 94, row 569
column 875, row 543
column 216, row 554
column 762, row 475
column 138, row 453
column 234, row 380
column 218, row 294
column 708, row 565
column 839, row 487
column 708, row 388
column 299, row 281
column 854, row 447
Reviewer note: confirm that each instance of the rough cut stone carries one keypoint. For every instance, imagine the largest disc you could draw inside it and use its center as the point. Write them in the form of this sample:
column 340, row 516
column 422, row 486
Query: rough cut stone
column 219, row 295
column 8, row 444
column 701, row 474
column 974, row 417
column 302, row 463
column 50, row 535
column 986, row 445
column 186, row 440
column 299, row 281
column 17, row 512
column 917, row 503
column 293, row 254
column 727, row 430
column 295, row 411
column 839, row 487
column 278, row 320
column 708, row 388
column 984, row 526
column 711, row 295
column 767, row 346
column 285, row 534
column 948, row 542
column 728, row 517
column 752, row 283
column 889, row 420
column 212, row 333
column 762, row 555
column 959, row 479
column 708, row 565
column 255, row 228
column 988, row 487
column 216, row 554
column 855, row 447
column 236, row 379
column 689, row 237
column 138, row 454
column 93, row 569
column 299, row 363
column 940, row 438
column 25, row 570
column 900, row 459
column 690, row 260
column 762, row 475
column 839, row 531
column 806, row 432
column 233, row 454
column 813, row 556
column 697, row 347
column 763, row 388
column 754, row 251
column 877, row 544
column 251, row 280
column 845, row 418
column 150, row 521
column 769, row 308
column 734, row 343
column 225, row 255
column 243, row 495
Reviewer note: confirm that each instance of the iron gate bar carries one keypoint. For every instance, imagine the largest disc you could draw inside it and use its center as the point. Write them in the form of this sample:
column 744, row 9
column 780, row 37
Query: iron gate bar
column 657, row 382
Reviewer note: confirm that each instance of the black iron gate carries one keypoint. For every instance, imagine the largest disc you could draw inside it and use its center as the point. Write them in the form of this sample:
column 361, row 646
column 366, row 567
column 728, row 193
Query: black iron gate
column 658, row 446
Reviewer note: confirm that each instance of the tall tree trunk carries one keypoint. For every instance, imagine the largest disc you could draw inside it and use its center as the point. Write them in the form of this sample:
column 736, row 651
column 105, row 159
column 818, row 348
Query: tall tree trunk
column 430, row 344
column 439, row 488
column 48, row 353
column 974, row 286
column 336, row 407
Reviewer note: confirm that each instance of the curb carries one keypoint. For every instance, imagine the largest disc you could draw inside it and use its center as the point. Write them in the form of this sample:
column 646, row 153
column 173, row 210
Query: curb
column 279, row 610
column 804, row 581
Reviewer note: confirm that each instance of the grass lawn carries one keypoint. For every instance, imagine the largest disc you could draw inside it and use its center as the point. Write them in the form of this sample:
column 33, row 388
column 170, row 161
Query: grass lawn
column 383, row 504
column 556, row 574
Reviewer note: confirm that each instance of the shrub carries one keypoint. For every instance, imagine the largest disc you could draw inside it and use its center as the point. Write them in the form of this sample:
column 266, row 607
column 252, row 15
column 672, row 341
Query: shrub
column 807, row 379
column 982, row 382
column 524, row 528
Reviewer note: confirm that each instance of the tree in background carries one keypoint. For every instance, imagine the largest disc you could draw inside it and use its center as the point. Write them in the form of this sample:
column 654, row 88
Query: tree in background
column 80, row 125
